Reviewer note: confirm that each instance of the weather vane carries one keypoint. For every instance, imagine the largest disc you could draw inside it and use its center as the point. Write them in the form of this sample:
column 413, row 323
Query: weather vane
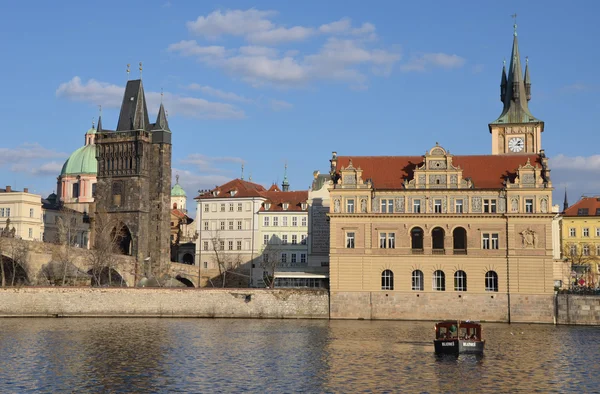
column 140, row 70
column 514, row 16
column 100, row 109
column 161, row 95
column 128, row 65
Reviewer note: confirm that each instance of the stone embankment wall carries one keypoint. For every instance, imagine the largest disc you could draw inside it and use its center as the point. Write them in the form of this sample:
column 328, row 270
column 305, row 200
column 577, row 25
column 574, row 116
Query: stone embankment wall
column 145, row 302
column 534, row 308
column 576, row 309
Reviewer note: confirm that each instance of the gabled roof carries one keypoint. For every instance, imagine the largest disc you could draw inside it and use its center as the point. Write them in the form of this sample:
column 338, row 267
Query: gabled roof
column 485, row 171
column 587, row 206
column 134, row 114
column 278, row 198
column 242, row 189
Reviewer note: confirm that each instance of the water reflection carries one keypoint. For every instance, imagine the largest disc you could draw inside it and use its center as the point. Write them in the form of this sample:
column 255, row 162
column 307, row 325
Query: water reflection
column 212, row 355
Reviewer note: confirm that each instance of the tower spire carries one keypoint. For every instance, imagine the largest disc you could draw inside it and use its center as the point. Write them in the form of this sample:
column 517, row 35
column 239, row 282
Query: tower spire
column 527, row 80
column 566, row 202
column 285, row 185
column 242, row 172
column 503, row 81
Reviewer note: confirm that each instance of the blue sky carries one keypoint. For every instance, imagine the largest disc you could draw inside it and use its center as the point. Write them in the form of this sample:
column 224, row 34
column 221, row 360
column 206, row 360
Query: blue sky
column 269, row 82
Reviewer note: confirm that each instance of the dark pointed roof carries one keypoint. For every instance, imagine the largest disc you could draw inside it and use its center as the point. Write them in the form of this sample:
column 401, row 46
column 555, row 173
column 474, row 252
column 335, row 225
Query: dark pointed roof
column 134, row 114
column 99, row 128
column 161, row 120
column 516, row 109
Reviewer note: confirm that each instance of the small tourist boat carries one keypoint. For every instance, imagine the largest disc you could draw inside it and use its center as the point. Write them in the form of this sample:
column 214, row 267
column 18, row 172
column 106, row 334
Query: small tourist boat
column 458, row 337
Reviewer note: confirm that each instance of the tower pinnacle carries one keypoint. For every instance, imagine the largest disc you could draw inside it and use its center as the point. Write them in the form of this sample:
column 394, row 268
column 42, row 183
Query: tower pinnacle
column 285, row 185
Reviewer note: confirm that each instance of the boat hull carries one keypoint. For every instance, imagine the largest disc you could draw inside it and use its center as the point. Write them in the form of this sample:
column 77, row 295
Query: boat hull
column 458, row 346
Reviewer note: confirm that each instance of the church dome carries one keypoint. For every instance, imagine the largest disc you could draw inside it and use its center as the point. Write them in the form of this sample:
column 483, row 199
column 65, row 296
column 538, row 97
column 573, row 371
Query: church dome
column 91, row 131
column 82, row 161
column 177, row 191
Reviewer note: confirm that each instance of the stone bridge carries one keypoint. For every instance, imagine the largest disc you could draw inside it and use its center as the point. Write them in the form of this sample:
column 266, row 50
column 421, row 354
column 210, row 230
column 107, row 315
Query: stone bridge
column 40, row 254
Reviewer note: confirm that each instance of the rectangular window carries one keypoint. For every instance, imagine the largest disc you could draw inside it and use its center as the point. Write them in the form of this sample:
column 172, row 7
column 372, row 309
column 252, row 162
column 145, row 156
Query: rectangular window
column 284, row 239
column 30, row 233
column 284, row 221
column 230, row 245
column 382, row 241
column 239, row 225
column 222, row 207
column 387, row 206
column 206, row 207
column 390, row 206
column 30, row 212
column 205, row 225
column 284, row 257
column 585, row 250
column 417, row 206
column 222, row 226
column 303, row 221
column 598, row 231
column 205, row 264
column 586, row 232
column 350, row 205
column 383, row 206
column 221, row 245
column 293, row 257
column 230, row 207
column 294, row 221
column 573, row 250
column 490, row 241
column 458, row 205
column 265, row 239
column 572, row 232
column 303, row 239
column 437, row 206
column 205, row 245
column 275, row 221
column 238, row 245
column 1, row 212
column 391, row 240
column 294, row 239
column 231, row 224
column 303, row 257
column 387, row 240
column 350, row 240
column 7, row 212
column 266, row 221
column 528, row 205
column 239, row 207
column 489, row 205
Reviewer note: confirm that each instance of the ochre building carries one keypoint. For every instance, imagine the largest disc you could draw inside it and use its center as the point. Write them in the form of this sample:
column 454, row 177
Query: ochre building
column 445, row 236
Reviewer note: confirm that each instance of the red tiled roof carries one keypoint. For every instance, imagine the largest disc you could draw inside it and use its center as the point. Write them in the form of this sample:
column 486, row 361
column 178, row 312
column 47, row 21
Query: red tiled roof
column 277, row 198
column 485, row 171
column 274, row 188
column 592, row 204
column 242, row 188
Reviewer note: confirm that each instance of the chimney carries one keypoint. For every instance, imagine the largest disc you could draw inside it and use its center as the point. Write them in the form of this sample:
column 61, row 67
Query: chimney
column 8, row 189
column 25, row 190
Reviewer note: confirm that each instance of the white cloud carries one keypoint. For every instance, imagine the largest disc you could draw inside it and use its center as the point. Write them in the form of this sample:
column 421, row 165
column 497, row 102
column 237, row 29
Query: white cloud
column 191, row 182
column 108, row 95
column 219, row 93
column 231, row 22
column 579, row 163
column 341, row 26
column 29, row 159
column 278, row 105
column 255, row 50
column 281, row 34
column 433, row 60
column 205, row 163
column 51, row 168
column 191, row 48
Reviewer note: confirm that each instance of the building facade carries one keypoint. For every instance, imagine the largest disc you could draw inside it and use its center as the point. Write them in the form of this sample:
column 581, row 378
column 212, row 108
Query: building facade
column 446, row 236
column 134, row 180
column 581, row 242
column 22, row 212
column 66, row 223
column 76, row 184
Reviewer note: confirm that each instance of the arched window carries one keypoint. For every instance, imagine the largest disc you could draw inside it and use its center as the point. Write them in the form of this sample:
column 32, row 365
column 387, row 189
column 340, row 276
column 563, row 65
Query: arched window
column 459, row 236
column 439, row 281
column 188, row 258
column 416, row 240
column 460, row 281
column 417, row 280
column 437, row 240
column 387, row 280
column 491, row 281
column 75, row 190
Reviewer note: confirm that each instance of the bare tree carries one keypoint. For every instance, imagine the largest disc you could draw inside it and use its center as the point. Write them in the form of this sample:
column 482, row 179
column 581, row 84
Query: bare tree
column 103, row 258
column 578, row 256
column 228, row 261
column 19, row 250
column 9, row 244
column 270, row 260
column 69, row 225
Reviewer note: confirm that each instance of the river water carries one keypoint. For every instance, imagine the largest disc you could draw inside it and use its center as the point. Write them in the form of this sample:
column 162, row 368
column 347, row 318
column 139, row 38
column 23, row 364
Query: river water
column 283, row 356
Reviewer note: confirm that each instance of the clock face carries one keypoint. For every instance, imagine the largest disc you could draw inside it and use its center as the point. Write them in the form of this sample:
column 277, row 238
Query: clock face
column 516, row 144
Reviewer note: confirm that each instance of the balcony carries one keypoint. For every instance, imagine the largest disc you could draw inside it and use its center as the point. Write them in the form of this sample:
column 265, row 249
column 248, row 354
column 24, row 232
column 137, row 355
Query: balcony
column 438, row 251
column 417, row 251
column 460, row 251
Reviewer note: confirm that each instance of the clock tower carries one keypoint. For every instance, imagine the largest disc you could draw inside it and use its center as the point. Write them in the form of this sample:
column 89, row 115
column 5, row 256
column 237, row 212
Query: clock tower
column 516, row 131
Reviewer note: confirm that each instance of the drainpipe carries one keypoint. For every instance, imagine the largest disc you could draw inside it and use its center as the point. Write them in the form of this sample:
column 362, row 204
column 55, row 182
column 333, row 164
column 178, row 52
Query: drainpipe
column 507, row 269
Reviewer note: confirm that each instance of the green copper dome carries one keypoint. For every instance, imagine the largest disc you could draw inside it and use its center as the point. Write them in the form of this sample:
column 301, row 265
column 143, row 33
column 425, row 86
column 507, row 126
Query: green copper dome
column 91, row 131
column 82, row 161
column 177, row 191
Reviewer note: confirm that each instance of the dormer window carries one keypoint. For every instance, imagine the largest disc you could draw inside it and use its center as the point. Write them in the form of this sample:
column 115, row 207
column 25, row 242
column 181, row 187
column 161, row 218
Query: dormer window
column 267, row 205
column 285, row 206
column 303, row 206
column 233, row 193
column 215, row 193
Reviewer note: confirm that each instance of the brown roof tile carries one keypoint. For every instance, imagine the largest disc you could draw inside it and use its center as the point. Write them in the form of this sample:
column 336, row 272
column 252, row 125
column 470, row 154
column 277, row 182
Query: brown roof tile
column 277, row 198
column 242, row 189
column 485, row 171
column 587, row 206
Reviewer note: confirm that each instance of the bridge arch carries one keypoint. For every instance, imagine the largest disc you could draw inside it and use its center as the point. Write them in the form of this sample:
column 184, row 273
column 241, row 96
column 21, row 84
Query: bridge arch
column 13, row 272
column 185, row 281
column 107, row 277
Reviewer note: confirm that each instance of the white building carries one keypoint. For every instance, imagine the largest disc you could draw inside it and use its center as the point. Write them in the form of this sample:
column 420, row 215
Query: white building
column 23, row 211
column 75, row 224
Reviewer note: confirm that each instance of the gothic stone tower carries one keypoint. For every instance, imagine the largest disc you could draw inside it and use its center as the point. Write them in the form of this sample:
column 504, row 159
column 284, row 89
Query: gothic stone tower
column 516, row 131
column 134, row 180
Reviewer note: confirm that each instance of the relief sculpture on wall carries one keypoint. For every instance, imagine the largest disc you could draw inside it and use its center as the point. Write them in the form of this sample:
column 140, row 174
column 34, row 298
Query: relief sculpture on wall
column 476, row 205
column 336, row 205
column 529, row 238
column 363, row 205
column 514, row 204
